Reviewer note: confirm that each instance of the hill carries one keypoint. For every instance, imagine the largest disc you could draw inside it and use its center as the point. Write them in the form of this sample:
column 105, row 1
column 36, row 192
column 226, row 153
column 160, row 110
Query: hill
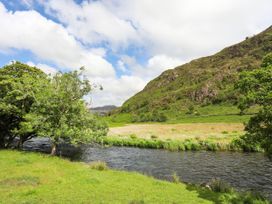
column 103, row 110
column 204, row 82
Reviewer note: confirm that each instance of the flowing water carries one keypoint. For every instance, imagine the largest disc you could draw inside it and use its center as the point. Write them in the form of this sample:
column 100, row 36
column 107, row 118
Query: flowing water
column 244, row 171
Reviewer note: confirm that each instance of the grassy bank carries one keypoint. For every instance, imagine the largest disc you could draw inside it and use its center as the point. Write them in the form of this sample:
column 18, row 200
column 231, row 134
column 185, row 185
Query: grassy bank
column 178, row 145
column 180, row 137
column 36, row 178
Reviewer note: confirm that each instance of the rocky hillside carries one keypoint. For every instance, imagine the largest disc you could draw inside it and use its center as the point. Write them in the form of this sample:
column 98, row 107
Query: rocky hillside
column 204, row 81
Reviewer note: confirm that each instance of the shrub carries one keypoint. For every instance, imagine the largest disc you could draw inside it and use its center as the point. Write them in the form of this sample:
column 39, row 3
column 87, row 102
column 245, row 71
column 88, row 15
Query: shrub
column 249, row 198
column 154, row 116
column 242, row 144
column 220, row 186
column 175, row 178
column 99, row 165
column 154, row 137
column 190, row 110
column 211, row 146
column 133, row 136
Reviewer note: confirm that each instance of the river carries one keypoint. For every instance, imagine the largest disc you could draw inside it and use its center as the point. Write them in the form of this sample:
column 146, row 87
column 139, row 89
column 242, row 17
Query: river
column 244, row 171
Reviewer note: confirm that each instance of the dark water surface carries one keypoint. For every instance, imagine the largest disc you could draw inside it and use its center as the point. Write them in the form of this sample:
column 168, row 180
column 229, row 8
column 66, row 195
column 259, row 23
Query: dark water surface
column 244, row 171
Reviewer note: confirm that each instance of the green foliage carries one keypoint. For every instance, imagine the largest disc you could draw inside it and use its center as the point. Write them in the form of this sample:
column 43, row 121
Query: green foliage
column 220, row 186
column 33, row 104
column 191, row 110
column 155, row 116
column 175, row 178
column 256, row 88
column 19, row 83
column 171, row 145
column 154, row 137
column 99, row 165
column 61, row 114
column 133, row 136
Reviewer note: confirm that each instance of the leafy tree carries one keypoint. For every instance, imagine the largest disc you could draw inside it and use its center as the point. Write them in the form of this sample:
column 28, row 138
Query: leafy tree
column 256, row 88
column 60, row 112
column 18, row 85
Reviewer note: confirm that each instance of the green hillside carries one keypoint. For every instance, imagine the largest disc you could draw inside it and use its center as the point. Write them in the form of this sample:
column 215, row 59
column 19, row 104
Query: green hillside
column 203, row 83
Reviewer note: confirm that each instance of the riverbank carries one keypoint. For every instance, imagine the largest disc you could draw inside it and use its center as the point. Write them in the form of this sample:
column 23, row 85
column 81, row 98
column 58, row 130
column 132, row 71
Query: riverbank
column 219, row 132
column 235, row 144
column 180, row 137
column 38, row 178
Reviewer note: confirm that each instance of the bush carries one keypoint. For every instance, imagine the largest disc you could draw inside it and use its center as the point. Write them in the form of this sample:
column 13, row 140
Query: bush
column 133, row 136
column 99, row 165
column 211, row 146
column 175, row 178
column 154, row 137
column 155, row 116
column 220, row 186
column 190, row 110
column 249, row 198
column 244, row 144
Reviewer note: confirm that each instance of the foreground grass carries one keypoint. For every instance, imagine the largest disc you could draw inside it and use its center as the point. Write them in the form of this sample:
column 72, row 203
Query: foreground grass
column 36, row 178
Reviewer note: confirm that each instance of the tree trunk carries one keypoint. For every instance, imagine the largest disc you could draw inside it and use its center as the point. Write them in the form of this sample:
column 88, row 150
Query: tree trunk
column 54, row 149
column 20, row 143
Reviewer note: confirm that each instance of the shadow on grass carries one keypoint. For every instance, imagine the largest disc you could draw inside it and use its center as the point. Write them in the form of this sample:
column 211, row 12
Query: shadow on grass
column 205, row 193
column 231, row 197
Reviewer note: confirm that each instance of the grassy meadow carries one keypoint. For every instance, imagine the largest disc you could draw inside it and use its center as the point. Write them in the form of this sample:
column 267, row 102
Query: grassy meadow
column 38, row 178
column 220, row 132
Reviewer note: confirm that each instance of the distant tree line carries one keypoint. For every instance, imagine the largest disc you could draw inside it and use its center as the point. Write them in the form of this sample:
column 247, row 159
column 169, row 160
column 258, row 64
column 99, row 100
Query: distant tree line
column 33, row 104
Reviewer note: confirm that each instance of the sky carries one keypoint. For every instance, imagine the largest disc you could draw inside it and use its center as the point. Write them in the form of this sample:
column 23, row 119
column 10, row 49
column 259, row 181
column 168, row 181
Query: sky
column 123, row 44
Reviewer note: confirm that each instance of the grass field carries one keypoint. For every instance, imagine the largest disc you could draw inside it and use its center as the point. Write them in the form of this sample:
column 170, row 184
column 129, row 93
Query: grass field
column 36, row 178
column 219, row 132
column 206, row 114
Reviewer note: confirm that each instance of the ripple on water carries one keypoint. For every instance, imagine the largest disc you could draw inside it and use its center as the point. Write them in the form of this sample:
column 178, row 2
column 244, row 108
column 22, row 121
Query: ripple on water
column 244, row 171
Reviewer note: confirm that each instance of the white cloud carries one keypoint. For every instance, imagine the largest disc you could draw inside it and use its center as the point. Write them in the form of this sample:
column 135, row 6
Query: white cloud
column 92, row 22
column 28, row 30
column 44, row 67
column 188, row 29
column 116, row 91
column 154, row 66
column 170, row 33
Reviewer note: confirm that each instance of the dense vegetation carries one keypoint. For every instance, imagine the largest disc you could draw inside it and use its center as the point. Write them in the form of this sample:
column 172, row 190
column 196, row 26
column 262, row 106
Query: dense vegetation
column 33, row 104
column 256, row 88
column 202, row 82
column 177, row 145
column 34, row 178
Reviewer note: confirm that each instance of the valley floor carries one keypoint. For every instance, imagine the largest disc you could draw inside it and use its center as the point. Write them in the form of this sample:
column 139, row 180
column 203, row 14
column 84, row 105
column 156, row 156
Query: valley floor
column 218, row 132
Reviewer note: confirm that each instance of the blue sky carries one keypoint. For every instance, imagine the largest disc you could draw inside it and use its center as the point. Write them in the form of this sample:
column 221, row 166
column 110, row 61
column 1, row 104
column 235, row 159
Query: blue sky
column 123, row 44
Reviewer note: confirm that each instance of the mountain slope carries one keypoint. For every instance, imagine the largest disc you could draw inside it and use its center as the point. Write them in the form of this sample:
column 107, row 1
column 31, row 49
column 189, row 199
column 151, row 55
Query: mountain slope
column 204, row 81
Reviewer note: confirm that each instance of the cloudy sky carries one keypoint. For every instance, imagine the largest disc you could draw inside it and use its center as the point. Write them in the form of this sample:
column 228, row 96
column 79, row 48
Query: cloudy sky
column 123, row 43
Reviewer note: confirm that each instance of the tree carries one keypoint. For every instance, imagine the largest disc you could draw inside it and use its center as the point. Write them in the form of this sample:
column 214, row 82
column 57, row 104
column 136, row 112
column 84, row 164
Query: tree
column 18, row 85
column 60, row 112
column 256, row 89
